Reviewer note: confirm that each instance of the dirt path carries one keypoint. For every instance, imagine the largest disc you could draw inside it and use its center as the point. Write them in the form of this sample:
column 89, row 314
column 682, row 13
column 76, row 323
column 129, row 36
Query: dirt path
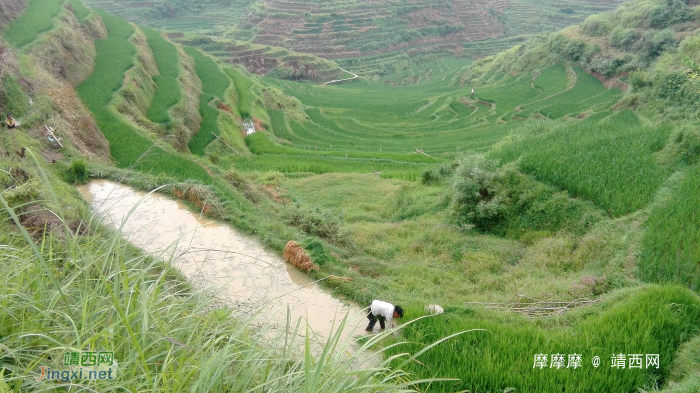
column 217, row 259
column 340, row 80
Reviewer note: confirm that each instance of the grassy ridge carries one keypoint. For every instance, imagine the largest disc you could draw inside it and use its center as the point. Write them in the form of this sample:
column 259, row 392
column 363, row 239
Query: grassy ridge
column 127, row 146
column 36, row 19
column 503, row 357
column 167, row 89
column 671, row 242
column 214, row 84
column 609, row 162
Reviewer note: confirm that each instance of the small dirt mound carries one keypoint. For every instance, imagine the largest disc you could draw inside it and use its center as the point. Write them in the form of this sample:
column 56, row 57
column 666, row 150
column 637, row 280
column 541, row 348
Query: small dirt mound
column 295, row 255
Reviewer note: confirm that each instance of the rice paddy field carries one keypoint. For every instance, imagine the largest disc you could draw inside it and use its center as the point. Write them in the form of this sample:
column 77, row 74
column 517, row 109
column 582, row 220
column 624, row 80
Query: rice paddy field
column 129, row 148
column 374, row 169
column 167, row 89
column 38, row 18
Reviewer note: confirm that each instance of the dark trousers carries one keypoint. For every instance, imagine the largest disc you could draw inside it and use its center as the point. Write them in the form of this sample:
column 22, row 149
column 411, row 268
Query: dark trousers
column 373, row 321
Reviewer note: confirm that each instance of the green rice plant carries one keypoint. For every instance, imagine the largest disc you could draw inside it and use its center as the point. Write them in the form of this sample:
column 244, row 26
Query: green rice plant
column 609, row 162
column 318, row 165
column 643, row 320
column 167, row 88
column 244, row 88
column 671, row 242
column 214, row 84
column 37, row 18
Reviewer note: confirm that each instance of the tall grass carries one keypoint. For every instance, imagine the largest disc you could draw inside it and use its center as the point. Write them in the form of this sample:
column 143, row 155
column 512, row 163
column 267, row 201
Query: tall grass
column 671, row 242
column 95, row 292
column 128, row 147
column 167, row 88
column 37, row 18
column 610, row 162
column 646, row 320
column 214, row 84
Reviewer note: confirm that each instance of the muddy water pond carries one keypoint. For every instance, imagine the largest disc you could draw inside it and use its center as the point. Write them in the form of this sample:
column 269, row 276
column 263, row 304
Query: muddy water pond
column 216, row 258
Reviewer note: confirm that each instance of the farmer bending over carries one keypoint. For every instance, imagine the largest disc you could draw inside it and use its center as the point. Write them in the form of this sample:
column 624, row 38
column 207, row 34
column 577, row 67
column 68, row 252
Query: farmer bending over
column 382, row 312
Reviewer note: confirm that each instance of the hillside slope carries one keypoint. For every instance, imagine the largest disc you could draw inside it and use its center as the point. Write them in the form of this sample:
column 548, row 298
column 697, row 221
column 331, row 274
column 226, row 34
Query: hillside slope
column 350, row 28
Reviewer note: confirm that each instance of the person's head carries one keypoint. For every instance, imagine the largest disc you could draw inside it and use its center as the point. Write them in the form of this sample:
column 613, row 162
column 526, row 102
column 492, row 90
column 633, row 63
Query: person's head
column 398, row 312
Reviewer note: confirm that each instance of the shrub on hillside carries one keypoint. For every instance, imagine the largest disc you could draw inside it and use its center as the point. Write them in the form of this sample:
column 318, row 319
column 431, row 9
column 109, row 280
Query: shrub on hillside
column 315, row 221
column 504, row 201
column 597, row 25
column 623, row 38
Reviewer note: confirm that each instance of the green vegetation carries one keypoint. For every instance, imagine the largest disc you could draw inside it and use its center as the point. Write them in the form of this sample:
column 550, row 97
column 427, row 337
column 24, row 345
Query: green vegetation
column 128, row 147
column 502, row 356
column 156, row 325
column 610, row 162
column 244, row 88
column 167, row 88
column 36, row 19
column 79, row 9
column 671, row 243
column 214, row 84
column 544, row 188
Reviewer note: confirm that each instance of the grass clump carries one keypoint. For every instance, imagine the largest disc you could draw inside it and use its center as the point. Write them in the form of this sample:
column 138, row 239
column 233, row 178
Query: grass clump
column 37, row 18
column 502, row 357
column 77, row 173
column 214, row 84
column 167, row 89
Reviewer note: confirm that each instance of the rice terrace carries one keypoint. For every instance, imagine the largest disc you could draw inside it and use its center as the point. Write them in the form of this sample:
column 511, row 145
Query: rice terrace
column 522, row 177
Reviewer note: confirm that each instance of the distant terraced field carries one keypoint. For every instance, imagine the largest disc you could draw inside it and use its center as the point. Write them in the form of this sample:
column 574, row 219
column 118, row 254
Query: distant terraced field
column 431, row 115
column 380, row 31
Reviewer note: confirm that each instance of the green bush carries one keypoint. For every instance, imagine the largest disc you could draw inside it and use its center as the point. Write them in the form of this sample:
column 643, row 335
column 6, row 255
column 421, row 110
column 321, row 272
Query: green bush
column 506, row 202
column 430, row 177
column 315, row 221
column 597, row 25
column 623, row 38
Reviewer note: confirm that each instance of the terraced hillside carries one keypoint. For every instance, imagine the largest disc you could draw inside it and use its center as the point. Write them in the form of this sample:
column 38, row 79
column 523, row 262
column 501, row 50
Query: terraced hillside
column 351, row 28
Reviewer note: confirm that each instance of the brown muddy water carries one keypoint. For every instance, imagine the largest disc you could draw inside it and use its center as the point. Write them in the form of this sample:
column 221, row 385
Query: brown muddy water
column 216, row 258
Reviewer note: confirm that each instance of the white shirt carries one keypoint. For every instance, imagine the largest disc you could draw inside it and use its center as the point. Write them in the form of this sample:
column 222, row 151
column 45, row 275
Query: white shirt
column 382, row 308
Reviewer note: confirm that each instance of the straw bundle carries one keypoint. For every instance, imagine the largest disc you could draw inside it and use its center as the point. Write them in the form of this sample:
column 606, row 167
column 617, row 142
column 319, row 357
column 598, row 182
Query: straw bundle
column 297, row 257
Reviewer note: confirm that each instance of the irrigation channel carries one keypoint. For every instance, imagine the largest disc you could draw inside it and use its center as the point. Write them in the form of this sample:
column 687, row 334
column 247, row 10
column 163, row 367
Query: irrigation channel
column 236, row 268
